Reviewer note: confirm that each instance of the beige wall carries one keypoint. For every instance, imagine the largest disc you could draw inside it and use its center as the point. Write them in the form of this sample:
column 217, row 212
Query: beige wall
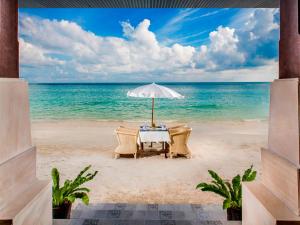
column 14, row 118
column 24, row 200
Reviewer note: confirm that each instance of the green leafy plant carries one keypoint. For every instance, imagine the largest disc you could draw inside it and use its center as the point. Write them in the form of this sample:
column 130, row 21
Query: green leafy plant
column 71, row 190
column 231, row 192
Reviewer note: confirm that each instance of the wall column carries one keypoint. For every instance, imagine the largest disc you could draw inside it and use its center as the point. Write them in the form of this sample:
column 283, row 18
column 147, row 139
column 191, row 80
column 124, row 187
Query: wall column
column 275, row 198
column 9, row 46
column 289, row 45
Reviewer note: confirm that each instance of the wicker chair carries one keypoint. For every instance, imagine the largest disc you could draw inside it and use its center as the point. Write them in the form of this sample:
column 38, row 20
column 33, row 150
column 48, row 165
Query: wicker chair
column 179, row 138
column 127, row 138
column 175, row 128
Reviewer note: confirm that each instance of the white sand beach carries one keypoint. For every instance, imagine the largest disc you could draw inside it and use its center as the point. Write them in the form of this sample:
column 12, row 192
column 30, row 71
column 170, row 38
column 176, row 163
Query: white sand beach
column 227, row 147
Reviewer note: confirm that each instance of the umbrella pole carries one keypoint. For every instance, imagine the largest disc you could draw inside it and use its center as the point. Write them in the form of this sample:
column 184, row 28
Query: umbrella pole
column 152, row 121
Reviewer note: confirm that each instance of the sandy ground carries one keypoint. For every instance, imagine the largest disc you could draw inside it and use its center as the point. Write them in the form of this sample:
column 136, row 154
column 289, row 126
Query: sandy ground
column 226, row 147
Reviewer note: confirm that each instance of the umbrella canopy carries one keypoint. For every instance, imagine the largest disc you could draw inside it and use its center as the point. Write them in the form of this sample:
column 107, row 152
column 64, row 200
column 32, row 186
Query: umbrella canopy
column 154, row 91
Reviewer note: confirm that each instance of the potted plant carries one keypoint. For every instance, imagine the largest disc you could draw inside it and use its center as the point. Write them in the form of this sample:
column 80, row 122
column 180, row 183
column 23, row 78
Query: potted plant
column 64, row 196
column 231, row 192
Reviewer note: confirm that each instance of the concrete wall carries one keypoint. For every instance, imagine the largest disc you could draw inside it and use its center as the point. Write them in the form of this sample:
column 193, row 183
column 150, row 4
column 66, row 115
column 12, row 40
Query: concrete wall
column 14, row 118
column 24, row 200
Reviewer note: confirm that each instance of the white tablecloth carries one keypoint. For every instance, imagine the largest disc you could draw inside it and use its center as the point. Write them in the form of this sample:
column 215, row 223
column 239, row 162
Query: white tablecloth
column 154, row 136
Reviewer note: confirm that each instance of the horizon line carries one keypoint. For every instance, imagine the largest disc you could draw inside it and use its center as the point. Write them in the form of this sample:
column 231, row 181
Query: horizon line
column 145, row 82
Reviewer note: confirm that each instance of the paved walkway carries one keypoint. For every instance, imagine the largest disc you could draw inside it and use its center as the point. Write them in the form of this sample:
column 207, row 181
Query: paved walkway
column 150, row 214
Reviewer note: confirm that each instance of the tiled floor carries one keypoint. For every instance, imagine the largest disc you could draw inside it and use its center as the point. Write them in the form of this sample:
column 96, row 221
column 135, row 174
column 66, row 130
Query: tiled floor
column 147, row 214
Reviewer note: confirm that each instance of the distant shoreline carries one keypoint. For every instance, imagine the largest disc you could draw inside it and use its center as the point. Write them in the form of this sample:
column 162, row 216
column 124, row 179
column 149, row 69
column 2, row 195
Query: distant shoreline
column 145, row 121
column 141, row 83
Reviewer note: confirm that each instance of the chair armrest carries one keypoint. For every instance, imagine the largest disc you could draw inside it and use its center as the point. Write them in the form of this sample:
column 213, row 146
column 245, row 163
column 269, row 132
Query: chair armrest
column 178, row 133
column 181, row 132
column 127, row 130
column 126, row 133
column 176, row 127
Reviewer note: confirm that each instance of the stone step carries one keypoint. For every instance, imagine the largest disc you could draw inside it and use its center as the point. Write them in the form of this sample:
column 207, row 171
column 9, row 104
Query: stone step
column 261, row 206
column 24, row 206
column 23, row 168
column 179, row 212
column 24, row 200
column 281, row 177
column 148, row 215
column 31, row 206
column 141, row 222
column 152, row 207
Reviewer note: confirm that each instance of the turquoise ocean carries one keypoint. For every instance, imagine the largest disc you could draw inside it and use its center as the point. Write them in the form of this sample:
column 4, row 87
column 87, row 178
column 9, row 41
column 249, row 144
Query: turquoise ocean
column 108, row 102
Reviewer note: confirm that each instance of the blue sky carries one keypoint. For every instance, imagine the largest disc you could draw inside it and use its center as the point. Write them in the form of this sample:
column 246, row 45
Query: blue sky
column 145, row 45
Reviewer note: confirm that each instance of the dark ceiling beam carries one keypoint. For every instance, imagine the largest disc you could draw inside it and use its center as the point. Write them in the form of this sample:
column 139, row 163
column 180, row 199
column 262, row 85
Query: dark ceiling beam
column 148, row 3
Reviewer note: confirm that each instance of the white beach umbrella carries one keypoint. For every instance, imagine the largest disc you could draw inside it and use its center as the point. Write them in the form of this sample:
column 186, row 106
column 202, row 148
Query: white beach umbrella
column 154, row 91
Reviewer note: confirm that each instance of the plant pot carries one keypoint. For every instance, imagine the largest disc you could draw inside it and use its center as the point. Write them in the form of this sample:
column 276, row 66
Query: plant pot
column 62, row 212
column 234, row 214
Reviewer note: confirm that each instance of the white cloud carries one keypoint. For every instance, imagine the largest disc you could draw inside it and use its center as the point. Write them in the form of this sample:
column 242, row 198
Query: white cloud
column 62, row 37
column 175, row 23
column 139, row 51
column 264, row 73
column 249, row 42
column 213, row 13
column 222, row 51
column 258, row 31
column 80, row 53
column 258, row 21
column 32, row 55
